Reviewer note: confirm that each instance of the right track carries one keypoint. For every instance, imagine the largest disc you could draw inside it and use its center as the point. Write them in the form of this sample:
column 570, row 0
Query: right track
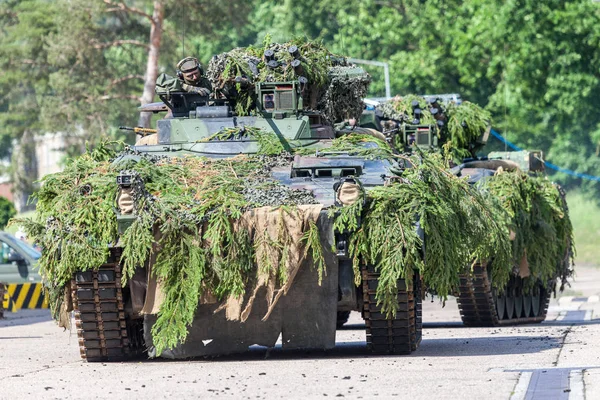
column 398, row 335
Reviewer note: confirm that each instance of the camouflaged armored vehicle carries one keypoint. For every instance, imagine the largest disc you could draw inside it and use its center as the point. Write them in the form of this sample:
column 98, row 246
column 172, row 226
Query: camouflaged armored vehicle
column 525, row 296
column 114, row 321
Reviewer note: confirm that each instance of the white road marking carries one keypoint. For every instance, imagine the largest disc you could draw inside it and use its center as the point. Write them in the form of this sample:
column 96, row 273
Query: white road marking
column 576, row 385
column 521, row 388
column 565, row 300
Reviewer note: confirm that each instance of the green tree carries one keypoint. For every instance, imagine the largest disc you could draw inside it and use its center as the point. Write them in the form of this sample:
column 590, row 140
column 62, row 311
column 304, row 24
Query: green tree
column 108, row 54
column 24, row 84
column 7, row 211
column 85, row 71
column 549, row 86
column 534, row 65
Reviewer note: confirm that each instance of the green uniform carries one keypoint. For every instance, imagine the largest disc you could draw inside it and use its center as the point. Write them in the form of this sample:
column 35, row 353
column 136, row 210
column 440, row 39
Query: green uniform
column 165, row 84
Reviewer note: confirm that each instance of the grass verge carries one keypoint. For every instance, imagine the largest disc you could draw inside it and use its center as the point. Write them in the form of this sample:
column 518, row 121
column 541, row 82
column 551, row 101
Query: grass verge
column 585, row 216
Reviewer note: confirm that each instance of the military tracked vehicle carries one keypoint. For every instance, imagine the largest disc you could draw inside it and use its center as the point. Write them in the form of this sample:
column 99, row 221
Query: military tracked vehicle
column 521, row 301
column 114, row 321
column 525, row 297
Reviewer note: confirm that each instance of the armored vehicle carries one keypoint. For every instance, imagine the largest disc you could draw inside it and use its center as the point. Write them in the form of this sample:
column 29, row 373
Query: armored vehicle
column 114, row 321
column 526, row 295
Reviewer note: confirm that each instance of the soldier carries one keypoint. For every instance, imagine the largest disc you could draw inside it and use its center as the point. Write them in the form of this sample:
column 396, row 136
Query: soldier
column 191, row 77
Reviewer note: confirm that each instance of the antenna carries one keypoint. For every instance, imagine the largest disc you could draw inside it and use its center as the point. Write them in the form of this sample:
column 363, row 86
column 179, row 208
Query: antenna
column 386, row 72
column 505, row 96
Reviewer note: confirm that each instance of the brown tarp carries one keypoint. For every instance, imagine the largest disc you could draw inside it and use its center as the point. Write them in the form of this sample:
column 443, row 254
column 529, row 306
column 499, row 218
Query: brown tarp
column 303, row 310
column 267, row 225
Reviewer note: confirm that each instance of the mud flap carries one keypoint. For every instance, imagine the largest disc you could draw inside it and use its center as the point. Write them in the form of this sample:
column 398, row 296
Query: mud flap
column 305, row 317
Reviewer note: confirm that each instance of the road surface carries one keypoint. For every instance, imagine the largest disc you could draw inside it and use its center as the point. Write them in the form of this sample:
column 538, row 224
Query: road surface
column 558, row 359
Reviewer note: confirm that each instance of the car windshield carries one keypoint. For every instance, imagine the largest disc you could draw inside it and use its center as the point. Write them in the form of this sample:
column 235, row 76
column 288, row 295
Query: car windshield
column 21, row 245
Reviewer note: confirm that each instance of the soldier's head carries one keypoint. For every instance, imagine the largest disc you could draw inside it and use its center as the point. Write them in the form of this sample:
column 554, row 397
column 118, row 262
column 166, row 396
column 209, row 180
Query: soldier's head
column 190, row 70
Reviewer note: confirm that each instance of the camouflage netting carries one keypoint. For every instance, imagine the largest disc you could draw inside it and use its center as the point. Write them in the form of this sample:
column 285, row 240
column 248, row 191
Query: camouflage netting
column 539, row 216
column 221, row 229
column 201, row 220
column 461, row 126
column 328, row 83
column 342, row 99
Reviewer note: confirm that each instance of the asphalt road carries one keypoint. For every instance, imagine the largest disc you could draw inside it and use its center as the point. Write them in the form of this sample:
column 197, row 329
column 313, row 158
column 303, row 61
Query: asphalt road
column 558, row 359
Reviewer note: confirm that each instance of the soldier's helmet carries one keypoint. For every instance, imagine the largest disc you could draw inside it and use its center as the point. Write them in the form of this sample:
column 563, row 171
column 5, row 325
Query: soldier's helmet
column 189, row 69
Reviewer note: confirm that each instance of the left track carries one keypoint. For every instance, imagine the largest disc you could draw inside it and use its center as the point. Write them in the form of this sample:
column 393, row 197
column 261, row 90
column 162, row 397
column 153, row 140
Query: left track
column 481, row 305
column 402, row 333
column 105, row 332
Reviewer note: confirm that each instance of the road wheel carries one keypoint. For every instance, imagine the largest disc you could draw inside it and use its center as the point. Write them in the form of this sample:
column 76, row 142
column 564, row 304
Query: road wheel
column 536, row 301
column 518, row 291
column 527, row 304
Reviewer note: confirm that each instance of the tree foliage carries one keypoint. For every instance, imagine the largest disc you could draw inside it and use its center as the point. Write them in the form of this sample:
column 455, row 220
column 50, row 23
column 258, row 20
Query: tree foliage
column 531, row 64
column 24, row 83
column 7, row 211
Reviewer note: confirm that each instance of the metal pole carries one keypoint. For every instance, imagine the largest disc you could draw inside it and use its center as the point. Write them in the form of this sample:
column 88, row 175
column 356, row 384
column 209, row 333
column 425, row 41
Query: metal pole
column 386, row 72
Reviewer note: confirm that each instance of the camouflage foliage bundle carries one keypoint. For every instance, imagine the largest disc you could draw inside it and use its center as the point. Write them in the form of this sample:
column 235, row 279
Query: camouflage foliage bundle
column 459, row 223
column 538, row 215
column 196, row 205
column 459, row 126
column 325, row 86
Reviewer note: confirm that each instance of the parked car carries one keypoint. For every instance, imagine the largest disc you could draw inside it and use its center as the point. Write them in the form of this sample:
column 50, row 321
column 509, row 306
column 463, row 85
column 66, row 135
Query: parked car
column 20, row 282
column 18, row 261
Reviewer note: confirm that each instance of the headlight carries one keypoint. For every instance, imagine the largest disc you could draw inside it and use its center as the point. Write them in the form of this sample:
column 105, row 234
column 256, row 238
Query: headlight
column 348, row 191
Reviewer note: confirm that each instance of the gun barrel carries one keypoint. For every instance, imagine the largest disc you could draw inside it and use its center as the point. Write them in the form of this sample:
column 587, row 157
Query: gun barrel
column 139, row 130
